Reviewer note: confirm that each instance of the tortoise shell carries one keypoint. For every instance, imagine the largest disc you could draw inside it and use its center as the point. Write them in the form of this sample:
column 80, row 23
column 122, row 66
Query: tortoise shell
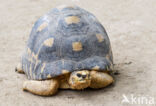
column 64, row 40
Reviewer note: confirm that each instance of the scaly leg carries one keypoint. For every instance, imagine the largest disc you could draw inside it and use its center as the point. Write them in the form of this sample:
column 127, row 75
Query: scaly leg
column 44, row 88
column 100, row 79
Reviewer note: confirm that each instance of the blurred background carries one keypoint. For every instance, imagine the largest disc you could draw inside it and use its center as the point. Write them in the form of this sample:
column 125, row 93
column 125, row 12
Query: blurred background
column 131, row 27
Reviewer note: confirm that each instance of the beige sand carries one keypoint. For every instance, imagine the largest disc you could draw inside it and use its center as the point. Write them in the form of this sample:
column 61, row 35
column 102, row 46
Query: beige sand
column 131, row 26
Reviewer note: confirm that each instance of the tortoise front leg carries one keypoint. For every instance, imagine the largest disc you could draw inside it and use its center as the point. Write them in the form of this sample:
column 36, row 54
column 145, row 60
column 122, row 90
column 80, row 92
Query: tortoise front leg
column 43, row 88
column 100, row 79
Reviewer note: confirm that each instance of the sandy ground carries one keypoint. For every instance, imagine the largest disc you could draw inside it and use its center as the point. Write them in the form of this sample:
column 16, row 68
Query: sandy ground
column 131, row 26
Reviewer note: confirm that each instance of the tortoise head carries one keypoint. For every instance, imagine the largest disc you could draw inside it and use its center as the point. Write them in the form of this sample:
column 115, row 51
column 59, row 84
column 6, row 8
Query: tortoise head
column 80, row 79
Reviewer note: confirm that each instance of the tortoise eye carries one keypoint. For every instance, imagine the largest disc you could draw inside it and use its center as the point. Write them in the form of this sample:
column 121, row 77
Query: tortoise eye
column 79, row 75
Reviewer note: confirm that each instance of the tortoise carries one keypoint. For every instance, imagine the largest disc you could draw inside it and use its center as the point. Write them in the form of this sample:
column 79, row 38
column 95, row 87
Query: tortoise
column 68, row 48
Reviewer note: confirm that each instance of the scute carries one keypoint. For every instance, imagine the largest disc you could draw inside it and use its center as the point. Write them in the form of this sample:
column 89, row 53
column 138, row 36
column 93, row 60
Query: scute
column 64, row 40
